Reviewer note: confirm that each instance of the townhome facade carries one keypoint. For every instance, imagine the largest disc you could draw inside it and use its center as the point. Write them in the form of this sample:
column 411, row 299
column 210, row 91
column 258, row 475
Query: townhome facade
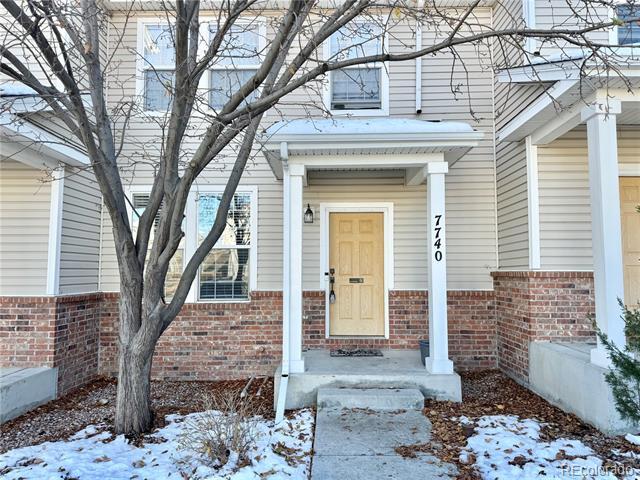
column 488, row 208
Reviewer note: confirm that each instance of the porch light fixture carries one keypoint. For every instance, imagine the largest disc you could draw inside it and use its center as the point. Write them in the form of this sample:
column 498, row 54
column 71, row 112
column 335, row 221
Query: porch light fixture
column 308, row 214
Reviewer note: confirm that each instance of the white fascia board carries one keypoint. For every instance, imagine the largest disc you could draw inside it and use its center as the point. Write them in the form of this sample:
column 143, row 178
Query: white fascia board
column 19, row 130
column 516, row 129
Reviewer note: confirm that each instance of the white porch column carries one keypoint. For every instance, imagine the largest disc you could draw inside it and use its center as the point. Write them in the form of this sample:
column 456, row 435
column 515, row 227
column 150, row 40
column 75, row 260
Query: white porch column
column 438, row 360
column 605, row 222
column 292, row 263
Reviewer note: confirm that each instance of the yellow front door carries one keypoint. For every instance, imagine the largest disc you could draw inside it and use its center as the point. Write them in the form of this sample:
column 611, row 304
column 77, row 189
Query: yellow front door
column 629, row 201
column 356, row 253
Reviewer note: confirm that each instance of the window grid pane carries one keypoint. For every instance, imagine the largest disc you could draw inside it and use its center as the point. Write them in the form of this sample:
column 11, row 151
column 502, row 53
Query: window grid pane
column 158, row 45
column 224, row 274
column 240, row 46
column 355, row 41
column 224, row 83
column 356, row 88
column 158, row 87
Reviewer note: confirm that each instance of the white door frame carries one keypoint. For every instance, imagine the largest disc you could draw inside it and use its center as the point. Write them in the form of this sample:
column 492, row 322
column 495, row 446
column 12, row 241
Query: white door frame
column 386, row 208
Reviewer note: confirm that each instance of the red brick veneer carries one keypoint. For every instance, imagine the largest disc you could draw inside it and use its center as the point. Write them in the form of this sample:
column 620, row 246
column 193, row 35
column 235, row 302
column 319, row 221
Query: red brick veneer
column 472, row 328
column 208, row 341
column 57, row 332
column 540, row 306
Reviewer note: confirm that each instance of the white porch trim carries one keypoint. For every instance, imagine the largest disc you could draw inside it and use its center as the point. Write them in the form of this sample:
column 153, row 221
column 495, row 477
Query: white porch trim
column 438, row 361
column 605, row 225
column 533, row 204
column 55, row 232
column 369, row 207
column 292, row 265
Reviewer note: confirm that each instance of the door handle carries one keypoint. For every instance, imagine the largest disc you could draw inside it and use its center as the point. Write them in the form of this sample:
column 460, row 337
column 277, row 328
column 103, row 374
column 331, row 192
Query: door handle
column 356, row 280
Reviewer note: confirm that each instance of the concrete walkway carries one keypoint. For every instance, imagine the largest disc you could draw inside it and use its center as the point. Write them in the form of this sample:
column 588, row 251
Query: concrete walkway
column 354, row 442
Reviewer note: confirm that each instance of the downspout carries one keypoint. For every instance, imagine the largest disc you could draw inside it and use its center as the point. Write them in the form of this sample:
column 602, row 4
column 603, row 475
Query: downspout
column 419, row 62
column 286, row 280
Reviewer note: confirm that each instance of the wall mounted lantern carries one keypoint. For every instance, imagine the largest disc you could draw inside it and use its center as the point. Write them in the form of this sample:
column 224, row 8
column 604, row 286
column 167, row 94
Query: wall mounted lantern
column 308, row 214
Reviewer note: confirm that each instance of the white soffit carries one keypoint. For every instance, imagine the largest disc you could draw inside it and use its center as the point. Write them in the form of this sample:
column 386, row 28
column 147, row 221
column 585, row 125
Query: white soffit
column 346, row 142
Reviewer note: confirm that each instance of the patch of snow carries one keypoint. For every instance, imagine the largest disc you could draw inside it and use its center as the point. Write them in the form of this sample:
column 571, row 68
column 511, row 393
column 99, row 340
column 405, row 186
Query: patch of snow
column 353, row 126
column 635, row 439
column 505, row 447
column 92, row 454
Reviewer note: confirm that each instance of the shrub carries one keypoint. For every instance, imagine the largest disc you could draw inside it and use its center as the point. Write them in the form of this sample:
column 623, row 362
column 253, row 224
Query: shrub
column 624, row 375
column 227, row 426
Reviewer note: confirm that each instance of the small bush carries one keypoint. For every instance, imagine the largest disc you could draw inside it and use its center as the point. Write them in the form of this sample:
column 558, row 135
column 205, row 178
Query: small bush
column 227, row 426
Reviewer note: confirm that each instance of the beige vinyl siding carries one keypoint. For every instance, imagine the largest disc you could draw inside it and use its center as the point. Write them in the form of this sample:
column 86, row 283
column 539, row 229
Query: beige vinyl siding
column 565, row 206
column 80, row 240
column 510, row 158
column 570, row 14
column 470, row 183
column 513, row 210
column 24, row 229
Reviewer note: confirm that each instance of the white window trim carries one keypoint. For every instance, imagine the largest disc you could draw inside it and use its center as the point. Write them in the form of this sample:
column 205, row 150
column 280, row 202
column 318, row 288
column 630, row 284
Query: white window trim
column 262, row 44
column 141, row 65
column 191, row 234
column 386, row 208
column 383, row 111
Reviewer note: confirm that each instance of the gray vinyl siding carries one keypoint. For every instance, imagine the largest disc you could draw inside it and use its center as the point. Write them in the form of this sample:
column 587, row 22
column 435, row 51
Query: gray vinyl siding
column 80, row 240
column 24, row 229
column 565, row 206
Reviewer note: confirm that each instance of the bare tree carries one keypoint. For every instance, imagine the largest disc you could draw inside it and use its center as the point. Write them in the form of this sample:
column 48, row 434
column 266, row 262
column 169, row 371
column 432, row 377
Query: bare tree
column 65, row 40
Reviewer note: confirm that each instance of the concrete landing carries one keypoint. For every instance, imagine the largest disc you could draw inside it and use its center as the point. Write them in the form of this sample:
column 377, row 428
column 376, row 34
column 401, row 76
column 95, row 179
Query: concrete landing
column 395, row 369
column 22, row 389
column 359, row 443
column 372, row 398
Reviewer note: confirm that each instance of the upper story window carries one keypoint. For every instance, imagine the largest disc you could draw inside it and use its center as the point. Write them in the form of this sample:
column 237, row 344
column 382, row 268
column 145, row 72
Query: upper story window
column 224, row 273
column 238, row 61
column 362, row 88
column 158, row 66
column 629, row 33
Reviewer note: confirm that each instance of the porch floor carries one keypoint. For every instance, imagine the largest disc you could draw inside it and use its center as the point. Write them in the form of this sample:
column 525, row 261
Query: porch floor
column 395, row 369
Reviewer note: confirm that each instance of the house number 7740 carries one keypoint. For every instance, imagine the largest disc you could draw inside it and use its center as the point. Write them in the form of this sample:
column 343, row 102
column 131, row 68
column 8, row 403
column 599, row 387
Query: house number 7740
column 438, row 243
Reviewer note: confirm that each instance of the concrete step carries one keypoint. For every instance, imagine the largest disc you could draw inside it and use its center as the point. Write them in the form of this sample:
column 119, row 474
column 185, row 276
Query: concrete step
column 371, row 398
column 22, row 389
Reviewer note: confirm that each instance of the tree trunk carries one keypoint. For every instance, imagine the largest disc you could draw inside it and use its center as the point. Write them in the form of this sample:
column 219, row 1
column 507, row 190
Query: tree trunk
column 133, row 401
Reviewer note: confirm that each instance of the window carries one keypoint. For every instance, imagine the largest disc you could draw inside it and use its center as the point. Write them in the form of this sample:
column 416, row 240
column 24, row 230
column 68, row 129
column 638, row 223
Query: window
column 224, row 274
column 158, row 66
column 359, row 87
column 629, row 33
column 140, row 202
column 238, row 61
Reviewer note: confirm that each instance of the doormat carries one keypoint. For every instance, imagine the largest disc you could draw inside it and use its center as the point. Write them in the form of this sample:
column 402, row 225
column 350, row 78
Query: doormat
column 356, row 352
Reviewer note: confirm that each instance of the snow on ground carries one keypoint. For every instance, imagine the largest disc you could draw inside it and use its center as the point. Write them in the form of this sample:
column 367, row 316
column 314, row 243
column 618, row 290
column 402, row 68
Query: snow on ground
column 282, row 452
column 505, row 447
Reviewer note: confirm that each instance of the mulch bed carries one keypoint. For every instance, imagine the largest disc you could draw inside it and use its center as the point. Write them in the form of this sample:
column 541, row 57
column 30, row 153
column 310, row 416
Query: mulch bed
column 492, row 393
column 94, row 404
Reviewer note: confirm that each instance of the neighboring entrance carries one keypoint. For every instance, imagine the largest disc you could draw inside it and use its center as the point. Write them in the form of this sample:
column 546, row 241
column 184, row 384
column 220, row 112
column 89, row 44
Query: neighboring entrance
column 629, row 201
column 356, row 253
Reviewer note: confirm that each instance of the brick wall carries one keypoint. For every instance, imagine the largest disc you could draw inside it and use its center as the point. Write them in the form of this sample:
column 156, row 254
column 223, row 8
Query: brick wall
column 540, row 306
column 472, row 327
column 208, row 340
column 57, row 332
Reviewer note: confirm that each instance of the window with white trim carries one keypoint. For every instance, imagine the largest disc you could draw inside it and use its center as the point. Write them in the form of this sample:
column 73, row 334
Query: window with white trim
column 158, row 66
column 629, row 33
column 358, row 87
column 176, row 265
column 238, row 61
column 224, row 274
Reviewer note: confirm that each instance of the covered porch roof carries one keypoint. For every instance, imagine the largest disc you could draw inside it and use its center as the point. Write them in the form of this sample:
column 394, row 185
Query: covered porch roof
column 568, row 90
column 389, row 143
